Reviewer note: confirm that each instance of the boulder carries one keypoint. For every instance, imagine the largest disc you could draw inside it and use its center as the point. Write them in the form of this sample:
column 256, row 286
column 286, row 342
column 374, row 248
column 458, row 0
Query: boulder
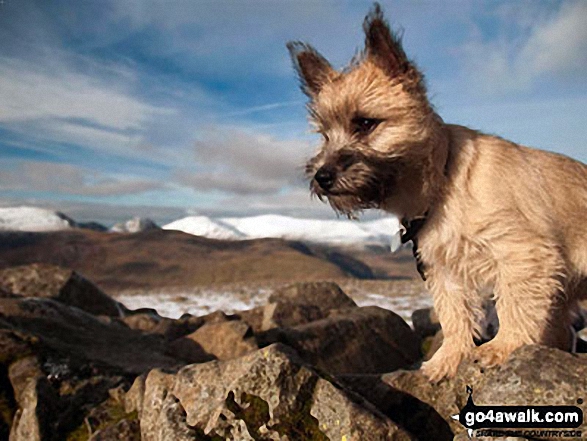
column 425, row 322
column 34, row 417
column 269, row 394
column 253, row 318
column 324, row 295
column 352, row 341
column 432, row 344
column 296, row 304
column 282, row 314
column 225, row 340
column 59, row 284
column 80, row 338
column 441, row 397
column 417, row 417
column 532, row 375
column 148, row 320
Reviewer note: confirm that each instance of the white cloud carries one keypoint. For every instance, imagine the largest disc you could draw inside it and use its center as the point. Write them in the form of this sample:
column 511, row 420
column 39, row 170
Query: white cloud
column 559, row 45
column 541, row 46
column 240, row 161
column 68, row 179
column 30, row 92
column 55, row 102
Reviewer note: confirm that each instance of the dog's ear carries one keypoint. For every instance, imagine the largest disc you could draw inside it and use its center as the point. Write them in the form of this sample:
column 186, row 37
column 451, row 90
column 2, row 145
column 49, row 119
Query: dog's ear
column 312, row 68
column 382, row 45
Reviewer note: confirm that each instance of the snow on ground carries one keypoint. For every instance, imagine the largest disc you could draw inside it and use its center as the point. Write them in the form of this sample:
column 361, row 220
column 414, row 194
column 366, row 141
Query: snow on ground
column 174, row 305
column 401, row 305
column 203, row 302
column 33, row 219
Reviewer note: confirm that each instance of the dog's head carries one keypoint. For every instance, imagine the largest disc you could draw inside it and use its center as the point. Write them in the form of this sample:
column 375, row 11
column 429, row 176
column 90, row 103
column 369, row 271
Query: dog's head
column 374, row 117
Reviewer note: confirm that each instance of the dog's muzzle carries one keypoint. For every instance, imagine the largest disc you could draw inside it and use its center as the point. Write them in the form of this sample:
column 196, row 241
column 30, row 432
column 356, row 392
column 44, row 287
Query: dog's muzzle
column 325, row 177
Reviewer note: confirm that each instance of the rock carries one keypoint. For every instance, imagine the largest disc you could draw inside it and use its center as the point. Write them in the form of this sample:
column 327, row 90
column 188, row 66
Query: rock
column 268, row 394
column 80, row 339
column 532, row 375
column 22, row 372
column 62, row 285
column 133, row 399
column 253, row 318
column 148, row 320
column 189, row 350
column 279, row 315
column 33, row 420
column 187, row 324
column 415, row 416
column 144, row 321
column 441, row 397
column 225, row 340
column 13, row 344
column 425, row 322
column 301, row 303
column 324, row 295
column 352, row 341
column 432, row 344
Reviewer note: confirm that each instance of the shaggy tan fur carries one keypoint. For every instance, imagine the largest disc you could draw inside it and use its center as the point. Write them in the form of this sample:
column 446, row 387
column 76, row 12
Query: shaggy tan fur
column 501, row 218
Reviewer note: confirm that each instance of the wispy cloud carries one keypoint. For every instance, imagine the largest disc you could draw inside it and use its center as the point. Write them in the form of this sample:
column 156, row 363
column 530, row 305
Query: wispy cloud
column 264, row 108
column 195, row 103
column 61, row 103
column 543, row 44
column 66, row 179
column 241, row 161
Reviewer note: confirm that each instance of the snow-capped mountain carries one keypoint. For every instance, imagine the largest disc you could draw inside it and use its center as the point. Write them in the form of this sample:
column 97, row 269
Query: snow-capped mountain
column 343, row 232
column 134, row 225
column 381, row 231
column 204, row 226
column 33, row 219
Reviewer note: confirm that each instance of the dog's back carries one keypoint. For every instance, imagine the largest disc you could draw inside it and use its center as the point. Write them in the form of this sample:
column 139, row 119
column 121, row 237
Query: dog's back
column 528, row 188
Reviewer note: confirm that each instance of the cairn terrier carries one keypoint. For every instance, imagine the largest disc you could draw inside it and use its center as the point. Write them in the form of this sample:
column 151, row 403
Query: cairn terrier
column 485, row 214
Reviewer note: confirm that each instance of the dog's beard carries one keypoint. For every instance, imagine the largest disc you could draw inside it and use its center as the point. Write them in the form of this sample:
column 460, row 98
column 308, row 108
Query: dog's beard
column 361, row 187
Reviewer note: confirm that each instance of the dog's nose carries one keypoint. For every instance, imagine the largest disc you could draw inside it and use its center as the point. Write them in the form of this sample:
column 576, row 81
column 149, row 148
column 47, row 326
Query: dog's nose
column 325, row 177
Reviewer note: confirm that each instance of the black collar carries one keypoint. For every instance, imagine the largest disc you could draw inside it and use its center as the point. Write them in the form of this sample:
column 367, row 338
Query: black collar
column 411, row 228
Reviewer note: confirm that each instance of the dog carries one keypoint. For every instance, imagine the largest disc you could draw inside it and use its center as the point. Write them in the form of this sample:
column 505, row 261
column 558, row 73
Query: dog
column 485, row 215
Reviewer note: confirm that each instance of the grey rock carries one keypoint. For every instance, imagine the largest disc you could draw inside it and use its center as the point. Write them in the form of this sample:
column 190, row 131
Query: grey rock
column 59, row 284
column 324, row 295
column 269, row 394
column 352, row 341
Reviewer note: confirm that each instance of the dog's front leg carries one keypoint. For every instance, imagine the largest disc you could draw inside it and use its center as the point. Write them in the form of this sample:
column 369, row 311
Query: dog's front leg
column 531, row 305
column 458, row 311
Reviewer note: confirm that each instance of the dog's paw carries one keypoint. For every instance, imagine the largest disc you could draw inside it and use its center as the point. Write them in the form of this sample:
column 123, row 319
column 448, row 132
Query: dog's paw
column 492, row 353
column 442, row 365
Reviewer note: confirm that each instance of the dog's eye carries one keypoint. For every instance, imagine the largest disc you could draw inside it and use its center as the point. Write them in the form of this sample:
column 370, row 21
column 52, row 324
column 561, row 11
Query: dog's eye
column 364, row 126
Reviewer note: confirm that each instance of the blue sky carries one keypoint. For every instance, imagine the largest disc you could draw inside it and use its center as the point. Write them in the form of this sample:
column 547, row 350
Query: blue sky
column 110, row 109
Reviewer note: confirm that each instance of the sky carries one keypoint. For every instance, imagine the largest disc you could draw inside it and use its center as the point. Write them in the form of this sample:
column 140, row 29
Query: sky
column 111, row 109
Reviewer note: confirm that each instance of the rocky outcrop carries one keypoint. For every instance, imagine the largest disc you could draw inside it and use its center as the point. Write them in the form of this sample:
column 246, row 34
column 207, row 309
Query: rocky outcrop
column 60, row 284
column 269, row 394
column 309, row 365
column 352, row 341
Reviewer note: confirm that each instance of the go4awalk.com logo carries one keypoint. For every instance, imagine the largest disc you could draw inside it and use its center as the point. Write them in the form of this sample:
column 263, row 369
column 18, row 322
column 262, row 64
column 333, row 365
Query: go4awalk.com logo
column 559, row 419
